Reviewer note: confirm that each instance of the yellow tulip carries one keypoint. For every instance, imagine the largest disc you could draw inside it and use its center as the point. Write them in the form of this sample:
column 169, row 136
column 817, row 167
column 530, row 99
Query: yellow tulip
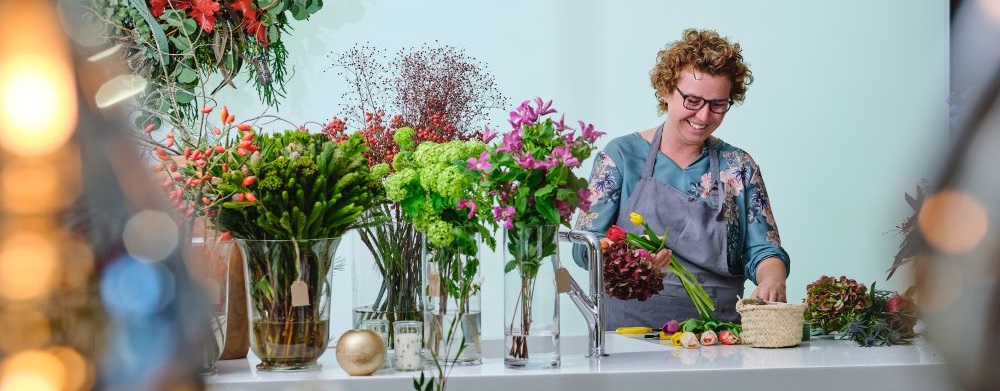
column 635, row 218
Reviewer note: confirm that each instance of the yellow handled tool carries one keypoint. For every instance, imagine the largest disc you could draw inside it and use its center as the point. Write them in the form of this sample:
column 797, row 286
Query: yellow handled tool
column 633, row 330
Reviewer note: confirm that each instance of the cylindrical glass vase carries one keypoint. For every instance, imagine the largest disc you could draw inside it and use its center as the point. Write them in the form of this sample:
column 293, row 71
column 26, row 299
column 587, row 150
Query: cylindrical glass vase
column 288, row 294
column 452, row 318
column 208, row 264
column 387, row 274
column 531, row 300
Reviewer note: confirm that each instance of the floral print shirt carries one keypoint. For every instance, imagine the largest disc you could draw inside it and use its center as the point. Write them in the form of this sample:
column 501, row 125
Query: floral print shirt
column 752, row 234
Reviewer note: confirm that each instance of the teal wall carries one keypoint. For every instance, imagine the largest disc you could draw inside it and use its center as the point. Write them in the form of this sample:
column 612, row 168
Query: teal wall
column 848, row 108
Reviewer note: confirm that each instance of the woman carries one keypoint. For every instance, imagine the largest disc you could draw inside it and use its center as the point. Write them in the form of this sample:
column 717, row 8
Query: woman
column 709, row 194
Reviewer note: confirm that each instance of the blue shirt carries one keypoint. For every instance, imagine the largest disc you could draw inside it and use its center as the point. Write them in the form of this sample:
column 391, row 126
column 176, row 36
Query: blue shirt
column 752, row 234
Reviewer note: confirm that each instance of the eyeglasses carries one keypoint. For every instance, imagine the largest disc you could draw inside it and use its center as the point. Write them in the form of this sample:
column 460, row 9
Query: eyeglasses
column 694, row 102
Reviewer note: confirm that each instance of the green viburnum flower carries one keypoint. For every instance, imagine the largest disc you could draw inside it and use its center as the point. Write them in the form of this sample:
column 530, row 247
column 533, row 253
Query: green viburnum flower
column 439, row 233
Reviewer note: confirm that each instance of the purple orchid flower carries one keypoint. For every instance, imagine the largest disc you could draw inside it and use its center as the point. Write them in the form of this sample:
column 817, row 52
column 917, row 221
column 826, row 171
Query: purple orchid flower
column 544, row 108
column 583, row 199
column 527, row 161
column 589, row 134
column 482, row 164
column 467, row 204
column 488, row 134
column 566, row 156
column 511, row 142
column 561, row 124
column 505, row 215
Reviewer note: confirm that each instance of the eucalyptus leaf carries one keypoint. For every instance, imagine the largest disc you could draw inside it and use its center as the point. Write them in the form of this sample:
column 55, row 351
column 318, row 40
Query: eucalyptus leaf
column 182, row 44
column 187, row 76
column 190, row 26
column 183, row 97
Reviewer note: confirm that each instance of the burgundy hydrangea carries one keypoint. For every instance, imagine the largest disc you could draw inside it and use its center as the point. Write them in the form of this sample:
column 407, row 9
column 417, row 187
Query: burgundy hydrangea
column 628, row 274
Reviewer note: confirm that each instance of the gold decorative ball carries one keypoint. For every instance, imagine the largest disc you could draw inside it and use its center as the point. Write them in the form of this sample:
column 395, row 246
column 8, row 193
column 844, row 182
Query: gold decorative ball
column 360, row 352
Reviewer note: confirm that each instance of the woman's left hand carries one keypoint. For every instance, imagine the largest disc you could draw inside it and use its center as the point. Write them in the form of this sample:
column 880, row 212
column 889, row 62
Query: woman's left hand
column 771, row 275
column 770, row 290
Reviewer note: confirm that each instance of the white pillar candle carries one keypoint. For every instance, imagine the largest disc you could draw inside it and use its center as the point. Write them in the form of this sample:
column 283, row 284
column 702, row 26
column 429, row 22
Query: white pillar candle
column 407, row 351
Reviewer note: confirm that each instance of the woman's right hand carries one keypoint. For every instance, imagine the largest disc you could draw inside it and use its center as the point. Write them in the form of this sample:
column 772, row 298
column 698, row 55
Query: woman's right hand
column 661, row 259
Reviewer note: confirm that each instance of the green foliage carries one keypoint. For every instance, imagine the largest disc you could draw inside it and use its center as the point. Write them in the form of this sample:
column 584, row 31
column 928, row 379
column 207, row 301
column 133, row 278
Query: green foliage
column 700, row 325
column 307, row 188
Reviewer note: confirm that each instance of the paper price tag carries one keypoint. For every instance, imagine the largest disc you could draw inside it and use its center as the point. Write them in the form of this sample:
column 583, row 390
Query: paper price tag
column 434, row 284
column 563, row 280
column 300, row 294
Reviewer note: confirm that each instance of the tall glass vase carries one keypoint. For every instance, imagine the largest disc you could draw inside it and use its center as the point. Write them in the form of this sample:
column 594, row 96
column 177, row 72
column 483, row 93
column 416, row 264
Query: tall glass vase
column 452, row 323
column 288, row 289
column 387, row 273
column 531, row 301
column 207, row 261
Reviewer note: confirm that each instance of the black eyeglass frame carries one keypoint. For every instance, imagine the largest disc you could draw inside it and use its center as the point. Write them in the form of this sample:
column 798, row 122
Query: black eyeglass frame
column 700, row 102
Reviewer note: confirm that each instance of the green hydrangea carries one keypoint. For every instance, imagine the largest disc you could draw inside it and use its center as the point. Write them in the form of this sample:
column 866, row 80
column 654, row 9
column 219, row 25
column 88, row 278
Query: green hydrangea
column 395, row 185
column 439, row 233
column 404, row 138
column 451, row 182
column 380, row 170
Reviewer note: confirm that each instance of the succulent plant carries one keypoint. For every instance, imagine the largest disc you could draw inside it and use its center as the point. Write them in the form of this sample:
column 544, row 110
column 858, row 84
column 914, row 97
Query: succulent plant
column 628, row 274
column 831, row 303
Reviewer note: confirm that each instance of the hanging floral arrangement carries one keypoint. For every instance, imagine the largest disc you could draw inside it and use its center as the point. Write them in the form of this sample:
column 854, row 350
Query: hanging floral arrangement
column 181, row 45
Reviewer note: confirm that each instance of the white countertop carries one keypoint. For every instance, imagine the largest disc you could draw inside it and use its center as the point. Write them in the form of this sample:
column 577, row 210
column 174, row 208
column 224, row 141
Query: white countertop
column 820, row 364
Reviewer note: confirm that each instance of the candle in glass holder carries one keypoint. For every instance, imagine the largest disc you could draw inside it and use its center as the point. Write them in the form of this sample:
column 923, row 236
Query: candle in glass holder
column 408, row 341
column 380, row 327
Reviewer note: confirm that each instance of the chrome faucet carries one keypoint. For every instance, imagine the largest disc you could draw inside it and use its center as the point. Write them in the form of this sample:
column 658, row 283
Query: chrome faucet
column 590, row 304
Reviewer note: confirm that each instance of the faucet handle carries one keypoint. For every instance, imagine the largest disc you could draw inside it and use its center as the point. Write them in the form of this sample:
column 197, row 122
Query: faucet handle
column 594, row 256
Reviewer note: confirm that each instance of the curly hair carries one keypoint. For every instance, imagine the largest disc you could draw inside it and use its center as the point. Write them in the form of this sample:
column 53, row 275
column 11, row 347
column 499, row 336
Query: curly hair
column 706, row 51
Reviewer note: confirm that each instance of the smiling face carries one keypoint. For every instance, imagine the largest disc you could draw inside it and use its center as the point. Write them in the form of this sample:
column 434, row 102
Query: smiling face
column 690, row 128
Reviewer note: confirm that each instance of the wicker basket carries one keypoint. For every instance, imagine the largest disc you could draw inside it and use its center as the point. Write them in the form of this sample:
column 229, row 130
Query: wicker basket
column 771, row 325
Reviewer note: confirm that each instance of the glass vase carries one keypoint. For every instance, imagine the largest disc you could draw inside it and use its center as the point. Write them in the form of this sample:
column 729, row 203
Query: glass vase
column 207, row 262
column 387, row 274
column 288, row 289
column 452, row 324
column 531, row 300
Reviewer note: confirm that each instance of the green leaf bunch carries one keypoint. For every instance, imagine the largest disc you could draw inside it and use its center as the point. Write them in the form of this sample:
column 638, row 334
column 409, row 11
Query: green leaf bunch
column 307, row 187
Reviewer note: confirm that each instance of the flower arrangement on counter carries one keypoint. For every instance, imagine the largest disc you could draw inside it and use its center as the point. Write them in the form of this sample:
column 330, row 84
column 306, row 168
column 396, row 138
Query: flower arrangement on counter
column 530, row 176
column 442, row 199
column 868, row 317
column 288, row 196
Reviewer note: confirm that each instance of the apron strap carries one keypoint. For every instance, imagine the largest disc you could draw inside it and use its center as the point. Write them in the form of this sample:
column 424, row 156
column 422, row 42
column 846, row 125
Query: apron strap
column 713, row 161
column 654, row 147
column 715, row 168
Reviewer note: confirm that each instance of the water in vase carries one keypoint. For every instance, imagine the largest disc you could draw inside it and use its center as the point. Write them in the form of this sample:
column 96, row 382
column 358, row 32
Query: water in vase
column 540, row 349
column 468, row 329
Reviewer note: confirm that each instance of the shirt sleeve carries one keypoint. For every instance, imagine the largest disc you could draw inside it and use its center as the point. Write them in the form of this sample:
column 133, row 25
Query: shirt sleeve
column 605, row 197
column 762, row 239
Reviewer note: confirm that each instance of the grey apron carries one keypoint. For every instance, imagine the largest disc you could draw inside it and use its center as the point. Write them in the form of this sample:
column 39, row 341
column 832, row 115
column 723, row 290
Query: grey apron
column 698, row 239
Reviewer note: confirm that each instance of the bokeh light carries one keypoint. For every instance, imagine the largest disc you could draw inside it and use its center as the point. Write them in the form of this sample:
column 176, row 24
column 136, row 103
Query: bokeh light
column 79, row 372
column 32, row 370
column 151, row 235
column 28, row 265
column 38, row 107
column 133, row 288
column 952, row 221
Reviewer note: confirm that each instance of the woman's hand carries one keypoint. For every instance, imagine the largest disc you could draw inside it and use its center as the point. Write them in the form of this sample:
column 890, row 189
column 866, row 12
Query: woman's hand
column 771, row 275
column 661, row 259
